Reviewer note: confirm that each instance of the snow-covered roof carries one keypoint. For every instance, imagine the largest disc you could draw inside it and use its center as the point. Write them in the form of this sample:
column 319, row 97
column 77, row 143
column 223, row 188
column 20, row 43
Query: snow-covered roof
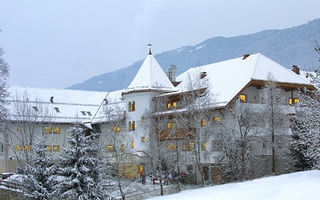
column 68, row 106
column 227, row 78
column 151, row 76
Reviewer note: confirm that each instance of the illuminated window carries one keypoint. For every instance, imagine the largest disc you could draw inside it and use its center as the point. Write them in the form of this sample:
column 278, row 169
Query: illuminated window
column 49, row 148
column 26, row 148
column 203, row 122
column 191, row 146
column 56, row 148
column 132, row 106
column 122, row 148
column 217, row 119
column 132, row 144
column 109, row 148
column 243, row 98
column 48, row 130
column 171, row 125
column 18, row 130
column 204, row 146
column 116, row 129
column 132, row 126
column 293, row 101
column 188, row 147
column 171, row 147
column 143, row 139
column 56, row 130
column 174, row 104
column 19, row 148
column 143, row 119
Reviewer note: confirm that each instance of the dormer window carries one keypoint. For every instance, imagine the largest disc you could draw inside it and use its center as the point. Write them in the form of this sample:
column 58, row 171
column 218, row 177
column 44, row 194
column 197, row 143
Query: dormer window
column 89, row 113
column 56, row 109
column 243, row 98
column 35, row 108
column 83, row 113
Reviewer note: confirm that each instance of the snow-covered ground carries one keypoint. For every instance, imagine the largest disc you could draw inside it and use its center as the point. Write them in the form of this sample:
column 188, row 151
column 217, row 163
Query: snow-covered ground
column 294, row 186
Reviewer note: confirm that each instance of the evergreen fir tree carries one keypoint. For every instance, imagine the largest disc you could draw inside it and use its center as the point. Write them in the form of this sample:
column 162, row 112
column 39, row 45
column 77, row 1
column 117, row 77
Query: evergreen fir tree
column 39, row 173
column 80, row 169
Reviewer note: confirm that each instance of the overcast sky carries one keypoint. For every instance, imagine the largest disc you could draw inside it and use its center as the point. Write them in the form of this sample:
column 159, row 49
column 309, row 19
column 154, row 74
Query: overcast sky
column 57, row 43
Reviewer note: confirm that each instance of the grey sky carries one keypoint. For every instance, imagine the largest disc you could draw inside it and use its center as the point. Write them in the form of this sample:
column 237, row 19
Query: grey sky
column 56, row 43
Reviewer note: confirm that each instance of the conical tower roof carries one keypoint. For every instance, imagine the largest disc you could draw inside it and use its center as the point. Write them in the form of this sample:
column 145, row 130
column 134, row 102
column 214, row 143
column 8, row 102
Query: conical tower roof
column 151, row 76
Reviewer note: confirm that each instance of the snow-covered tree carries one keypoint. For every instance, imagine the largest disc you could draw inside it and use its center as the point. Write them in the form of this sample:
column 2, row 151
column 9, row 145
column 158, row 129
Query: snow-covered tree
column 4, row 72
column 236, row 141
column 306, row 127
column 273, row 113
column 116, row 145
column 39, row 173
column 80, row 167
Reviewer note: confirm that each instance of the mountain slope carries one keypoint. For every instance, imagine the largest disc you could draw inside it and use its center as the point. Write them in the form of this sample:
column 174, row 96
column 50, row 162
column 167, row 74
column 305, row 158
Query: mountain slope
column 292, row 46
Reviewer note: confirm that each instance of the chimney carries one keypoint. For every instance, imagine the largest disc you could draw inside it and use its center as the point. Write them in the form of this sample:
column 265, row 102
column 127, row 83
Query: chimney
column 203, row 74
column 245, row 56
column 296, row 69
column 172, row 73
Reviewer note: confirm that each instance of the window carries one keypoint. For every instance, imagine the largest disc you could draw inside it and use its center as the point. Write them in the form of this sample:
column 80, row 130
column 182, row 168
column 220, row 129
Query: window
column 19, row 148
column 26, row 148
column 243, row 98
column 171, row 147
column 171, row 125
column 89, row 113
column 217, row 119
column 132, row 106
column 172, row 104
column 18, row 130
column 203, row 122
column 122, row 148
column 143, row 119
column 204, row 146
column 35, row 108
column 143, row 139
column 48, row 130
column 83, row 113
column 56, row 109
column 188, row 147
column 56, row 148
column 293, row 101
column 215, row 145
column 116, row 129
column 132, row 126
column 56, row 130
column 49, row 148
column 109, row 148
column 132, row 144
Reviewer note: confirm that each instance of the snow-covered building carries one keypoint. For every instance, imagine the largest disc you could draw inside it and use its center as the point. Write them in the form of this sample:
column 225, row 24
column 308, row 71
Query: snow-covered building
column 123, row 117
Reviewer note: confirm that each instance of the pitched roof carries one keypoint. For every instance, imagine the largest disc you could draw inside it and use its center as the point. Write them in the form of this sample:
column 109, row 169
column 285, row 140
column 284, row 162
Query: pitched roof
column 151, row 76
column 227, row 78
